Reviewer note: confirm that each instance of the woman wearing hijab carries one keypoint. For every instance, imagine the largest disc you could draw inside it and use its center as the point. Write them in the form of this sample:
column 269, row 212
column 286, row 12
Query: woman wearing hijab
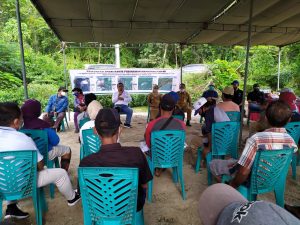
column 79, row 106
column 153, row 100
column 92, row 110
column 31, row 110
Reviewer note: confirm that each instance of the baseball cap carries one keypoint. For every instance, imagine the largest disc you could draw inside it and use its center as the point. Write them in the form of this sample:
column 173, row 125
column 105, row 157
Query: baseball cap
column 62, row 88
column 107, row 119
column 214, row 199
column 167, row 102
column 198, row 104
column 235, row 82
column 228, row 90
column 174, row 95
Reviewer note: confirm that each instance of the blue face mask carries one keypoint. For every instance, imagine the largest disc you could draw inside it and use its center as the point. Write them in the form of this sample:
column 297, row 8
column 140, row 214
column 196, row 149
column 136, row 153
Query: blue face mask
column 76, row 94
column 211, row 88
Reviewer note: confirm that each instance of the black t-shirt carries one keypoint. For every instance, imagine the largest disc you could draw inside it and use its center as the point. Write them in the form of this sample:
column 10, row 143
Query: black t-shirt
column 256, row 96
column 238, row 96
column 114, row 155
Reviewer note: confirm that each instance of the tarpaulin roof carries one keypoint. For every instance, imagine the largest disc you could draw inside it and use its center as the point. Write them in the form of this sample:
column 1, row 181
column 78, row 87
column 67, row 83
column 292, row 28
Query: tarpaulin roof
column 222, row 22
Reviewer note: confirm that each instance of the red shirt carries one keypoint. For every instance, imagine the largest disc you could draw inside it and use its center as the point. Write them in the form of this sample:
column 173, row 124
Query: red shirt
column 156, row 124
column 290, row 99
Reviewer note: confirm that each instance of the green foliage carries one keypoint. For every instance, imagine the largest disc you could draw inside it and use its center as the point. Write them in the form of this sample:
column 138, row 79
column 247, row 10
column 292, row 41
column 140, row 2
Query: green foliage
column 8, row 80
column 196, row 84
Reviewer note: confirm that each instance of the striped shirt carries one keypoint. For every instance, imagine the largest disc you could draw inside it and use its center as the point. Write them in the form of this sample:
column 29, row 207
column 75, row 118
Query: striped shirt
column 270, row 139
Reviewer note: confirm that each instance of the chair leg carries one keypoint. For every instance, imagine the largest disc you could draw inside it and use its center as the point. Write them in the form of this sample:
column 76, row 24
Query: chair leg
column 175, row 174
column 139, row 217
column 294, row 166
column 150, row 183
column 279, row 195
column 38, row 207
column 66, row 119
column 209, row 176
column 199, row 155
column 1, row 210
column 180, row 174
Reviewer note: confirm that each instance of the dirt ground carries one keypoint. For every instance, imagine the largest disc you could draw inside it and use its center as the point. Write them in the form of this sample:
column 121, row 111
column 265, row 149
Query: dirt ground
column 167, row 207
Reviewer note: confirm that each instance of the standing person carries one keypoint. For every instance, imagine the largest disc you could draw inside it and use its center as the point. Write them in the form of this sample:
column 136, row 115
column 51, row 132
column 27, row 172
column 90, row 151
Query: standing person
column 57, row 107
column 112, row 154
column 13, row 140
column 121, row 98
column 238, row 94
column 256, row 99
column 153, row 100
column 211, row 95
column 79, row 106
column 31, row 110
column 185, row 103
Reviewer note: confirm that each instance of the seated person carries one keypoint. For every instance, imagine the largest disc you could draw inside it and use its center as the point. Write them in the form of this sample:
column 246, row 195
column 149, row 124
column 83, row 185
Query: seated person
column 221, row 204
column 93, row 109
column 255, row 98
column 79, row 106
column 153, row 100
column 121, row 98
column 112, row 154
column 12, row 140
column 287, row 95
column 164, row 122
column 215, row 113
column 278, row 115
column 31, row 110
column 177, row 111
column 185, row 103
column 88, row 98
column 56, row 107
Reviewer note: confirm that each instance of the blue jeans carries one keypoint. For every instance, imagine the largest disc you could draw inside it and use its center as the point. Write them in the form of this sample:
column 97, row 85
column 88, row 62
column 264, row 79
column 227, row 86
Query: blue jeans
column 126, row 110
column 253, row 107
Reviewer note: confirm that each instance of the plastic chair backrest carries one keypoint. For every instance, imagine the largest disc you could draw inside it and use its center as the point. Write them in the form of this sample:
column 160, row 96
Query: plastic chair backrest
column 293, row 129
column 167, row 148
column 18, row 174
column 83, row 121
column 270, row 168
column 180, row 117
column 234, row 116
column 91, row 142
column 40, row 138
column 225, row 136
column 109, row 195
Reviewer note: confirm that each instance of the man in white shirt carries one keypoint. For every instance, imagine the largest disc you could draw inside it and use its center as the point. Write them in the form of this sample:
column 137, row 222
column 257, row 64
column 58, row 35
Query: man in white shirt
column 121, row 98
column 12, row 140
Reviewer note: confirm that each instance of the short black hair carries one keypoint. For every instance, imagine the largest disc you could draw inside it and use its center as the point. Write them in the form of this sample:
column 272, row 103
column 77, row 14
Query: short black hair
column 227, row 96
column 78, row 90
column 9, row 111
column 278, row 113
column 120, row 83
column 88, row 98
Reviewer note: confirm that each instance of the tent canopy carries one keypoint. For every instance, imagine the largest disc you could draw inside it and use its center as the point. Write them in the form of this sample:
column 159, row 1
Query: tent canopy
column 222, row 22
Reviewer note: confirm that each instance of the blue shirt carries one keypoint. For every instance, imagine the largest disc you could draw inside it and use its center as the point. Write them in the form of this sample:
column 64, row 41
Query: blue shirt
column 53, row 138
column 57, row 104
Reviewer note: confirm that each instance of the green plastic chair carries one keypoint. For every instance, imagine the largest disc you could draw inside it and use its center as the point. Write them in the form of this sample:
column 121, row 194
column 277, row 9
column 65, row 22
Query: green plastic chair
column 234, row 116
column 18, row 179
column 40, row 139
column 83, row 121
column 109, row 195
column 91, row 143
column 178, row 117
column 268, row 174
column 225, row 136
column 293, row 129
column 167, row 149
column 62, row 124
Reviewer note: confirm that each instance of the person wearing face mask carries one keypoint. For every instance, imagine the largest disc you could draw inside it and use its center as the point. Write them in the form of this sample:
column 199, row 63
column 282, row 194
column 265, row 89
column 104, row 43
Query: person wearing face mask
column 79, row 106
column 185, row 103
column 56, row 107
column 112, row 154
column 255, row 98
column 238, row 94
column 153, row 100
column 211, row 95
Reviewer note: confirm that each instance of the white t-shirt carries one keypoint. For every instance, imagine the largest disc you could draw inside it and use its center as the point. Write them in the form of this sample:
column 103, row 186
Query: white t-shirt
column 12, row 140
column 87, row 125
column 125, row 95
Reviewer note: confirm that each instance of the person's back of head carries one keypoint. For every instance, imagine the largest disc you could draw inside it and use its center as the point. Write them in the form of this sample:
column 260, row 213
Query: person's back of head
column 227, row 93
column 88, row 98
column 278, row 113
column 10, row 114
column 107, row 123
column 93, row 109
column 167, row 105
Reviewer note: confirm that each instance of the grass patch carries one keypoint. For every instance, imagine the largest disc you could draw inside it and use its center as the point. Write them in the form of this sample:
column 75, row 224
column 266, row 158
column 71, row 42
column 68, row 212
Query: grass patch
column 140, row 109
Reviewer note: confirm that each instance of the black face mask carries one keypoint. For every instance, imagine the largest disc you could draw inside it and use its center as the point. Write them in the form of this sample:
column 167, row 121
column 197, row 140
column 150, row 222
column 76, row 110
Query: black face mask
column 256, row 89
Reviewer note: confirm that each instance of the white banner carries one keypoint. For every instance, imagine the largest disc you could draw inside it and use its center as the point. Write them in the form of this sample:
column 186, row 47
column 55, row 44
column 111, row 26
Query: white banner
column 135, row 80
